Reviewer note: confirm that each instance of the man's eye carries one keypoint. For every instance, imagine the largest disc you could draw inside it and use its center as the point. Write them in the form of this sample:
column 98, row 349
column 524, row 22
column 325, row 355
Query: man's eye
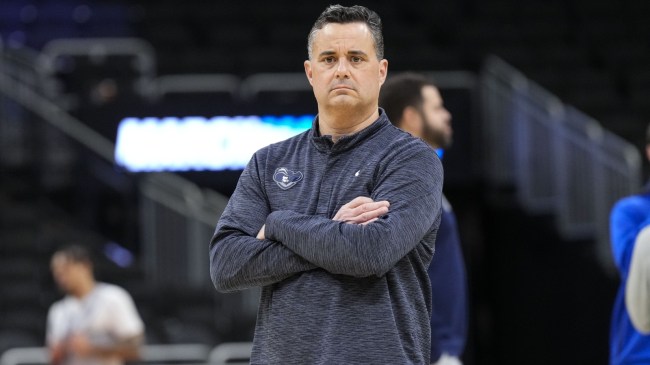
column 355, row 59
column 329, row 60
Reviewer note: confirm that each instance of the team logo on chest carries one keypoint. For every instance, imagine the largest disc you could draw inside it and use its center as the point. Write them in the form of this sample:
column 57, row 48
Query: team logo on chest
column 286, row 178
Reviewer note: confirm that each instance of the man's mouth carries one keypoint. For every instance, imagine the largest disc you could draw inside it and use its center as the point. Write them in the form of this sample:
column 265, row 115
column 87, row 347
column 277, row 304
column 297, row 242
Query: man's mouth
column 342, row 86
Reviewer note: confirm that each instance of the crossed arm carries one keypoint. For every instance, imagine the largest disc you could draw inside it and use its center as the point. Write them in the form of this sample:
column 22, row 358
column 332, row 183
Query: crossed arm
column 257, row 261
column 255, row 246
column 361, row 210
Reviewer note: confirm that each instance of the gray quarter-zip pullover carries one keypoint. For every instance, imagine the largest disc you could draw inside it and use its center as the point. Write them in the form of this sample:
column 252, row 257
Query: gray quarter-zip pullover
column 333, row 292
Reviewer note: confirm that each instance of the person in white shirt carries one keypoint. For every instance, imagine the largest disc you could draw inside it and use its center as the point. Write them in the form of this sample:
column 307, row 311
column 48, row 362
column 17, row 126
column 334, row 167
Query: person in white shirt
column 95, row 323
column 637, row 289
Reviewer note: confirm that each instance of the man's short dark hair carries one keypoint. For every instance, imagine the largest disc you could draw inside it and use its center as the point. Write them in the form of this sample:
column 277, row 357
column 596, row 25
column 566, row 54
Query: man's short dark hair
column 401, row 91
column 75, row 253
column 647, row 135
column 353, row 14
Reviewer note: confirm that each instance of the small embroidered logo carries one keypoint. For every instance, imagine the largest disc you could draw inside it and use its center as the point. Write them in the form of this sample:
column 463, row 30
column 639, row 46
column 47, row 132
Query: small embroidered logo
column 357, row 173
column 286, row 178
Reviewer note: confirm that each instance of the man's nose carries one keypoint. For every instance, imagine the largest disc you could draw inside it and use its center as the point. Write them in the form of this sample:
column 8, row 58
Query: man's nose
column 343, row 69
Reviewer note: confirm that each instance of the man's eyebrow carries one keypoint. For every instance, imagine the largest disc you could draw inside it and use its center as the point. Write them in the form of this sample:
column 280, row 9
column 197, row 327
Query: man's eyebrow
column 353, row 52
column 326, row 53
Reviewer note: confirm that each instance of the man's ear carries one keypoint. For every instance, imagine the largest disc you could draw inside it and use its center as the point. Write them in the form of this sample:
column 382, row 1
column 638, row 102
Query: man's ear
column 411, row 120
column 308, row 71
column 383, row 71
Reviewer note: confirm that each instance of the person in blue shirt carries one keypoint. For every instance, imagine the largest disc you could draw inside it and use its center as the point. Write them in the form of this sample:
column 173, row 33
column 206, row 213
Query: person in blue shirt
column 628, row 217
column 637, row 288
column 413, row 104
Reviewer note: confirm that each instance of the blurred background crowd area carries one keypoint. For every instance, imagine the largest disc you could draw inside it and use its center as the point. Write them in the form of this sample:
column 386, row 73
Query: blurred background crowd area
column 550, row 104
column 590, row 53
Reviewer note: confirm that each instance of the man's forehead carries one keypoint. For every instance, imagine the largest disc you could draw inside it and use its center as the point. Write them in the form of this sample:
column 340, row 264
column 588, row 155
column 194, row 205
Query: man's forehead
column 63, row 260
column 357, row 34
column 60, row 259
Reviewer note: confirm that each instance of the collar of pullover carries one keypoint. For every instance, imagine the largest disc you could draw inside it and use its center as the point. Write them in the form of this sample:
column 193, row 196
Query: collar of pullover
column 325, row 143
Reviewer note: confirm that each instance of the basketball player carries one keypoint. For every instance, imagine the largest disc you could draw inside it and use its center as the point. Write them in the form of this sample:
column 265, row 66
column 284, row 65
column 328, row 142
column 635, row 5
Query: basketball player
column 95, row 323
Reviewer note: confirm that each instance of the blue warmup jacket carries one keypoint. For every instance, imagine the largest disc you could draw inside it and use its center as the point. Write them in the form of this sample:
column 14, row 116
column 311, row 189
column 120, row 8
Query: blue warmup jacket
column 628, row 217
column 333, row 292
column 449, row 290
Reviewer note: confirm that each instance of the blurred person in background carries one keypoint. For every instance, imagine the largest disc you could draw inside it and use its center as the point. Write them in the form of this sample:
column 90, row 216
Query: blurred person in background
column 413, row 103
column 637, row 289
column 95, row 323
column 337, row 224
column 628, row 217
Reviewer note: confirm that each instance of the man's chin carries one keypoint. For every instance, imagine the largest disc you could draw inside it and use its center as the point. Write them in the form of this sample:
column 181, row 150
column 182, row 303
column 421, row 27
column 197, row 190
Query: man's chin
column 342, row 101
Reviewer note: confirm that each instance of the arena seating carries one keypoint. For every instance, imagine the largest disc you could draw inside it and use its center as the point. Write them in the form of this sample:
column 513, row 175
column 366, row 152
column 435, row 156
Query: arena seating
column 548, row 40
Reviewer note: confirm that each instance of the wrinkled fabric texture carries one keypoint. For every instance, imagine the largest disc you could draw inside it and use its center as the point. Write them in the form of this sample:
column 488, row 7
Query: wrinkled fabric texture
column 333, row 292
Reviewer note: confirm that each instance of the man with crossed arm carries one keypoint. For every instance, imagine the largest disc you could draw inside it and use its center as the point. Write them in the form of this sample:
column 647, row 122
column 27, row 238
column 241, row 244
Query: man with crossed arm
column 337, row 225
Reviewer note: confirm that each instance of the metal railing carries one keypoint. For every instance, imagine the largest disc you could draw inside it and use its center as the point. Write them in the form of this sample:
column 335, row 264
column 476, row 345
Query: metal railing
column 233, row 353
column 169, row 203
column 197, row 354
column 261, row 82
column 142, row 53
column 197, row 83
column 499, row 86
column 182, row 219
column 559, row 160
